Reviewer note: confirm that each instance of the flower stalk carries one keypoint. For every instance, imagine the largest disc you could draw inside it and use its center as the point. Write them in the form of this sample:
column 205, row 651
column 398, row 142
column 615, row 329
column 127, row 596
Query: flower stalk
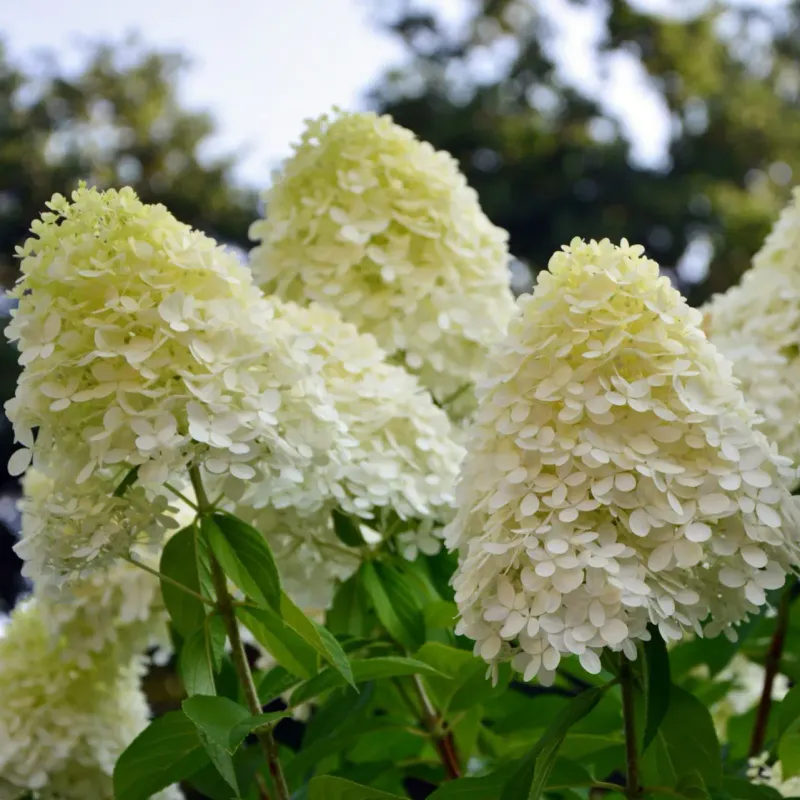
column 227, row 611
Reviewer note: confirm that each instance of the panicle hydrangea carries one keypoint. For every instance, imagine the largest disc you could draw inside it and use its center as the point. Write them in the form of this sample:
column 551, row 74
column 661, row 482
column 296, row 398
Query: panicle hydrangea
column 64, row 724
column 144, row 344
column 398, row 449
column 613, row 476
column 367, row 218
column 762, row 774
column 756, row 324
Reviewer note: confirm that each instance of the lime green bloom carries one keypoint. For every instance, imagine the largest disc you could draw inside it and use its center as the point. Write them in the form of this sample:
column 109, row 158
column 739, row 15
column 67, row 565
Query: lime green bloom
column 366, row 218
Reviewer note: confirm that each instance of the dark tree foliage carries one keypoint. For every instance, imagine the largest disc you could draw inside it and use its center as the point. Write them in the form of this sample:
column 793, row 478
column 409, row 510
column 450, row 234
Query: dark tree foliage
column 549, row 161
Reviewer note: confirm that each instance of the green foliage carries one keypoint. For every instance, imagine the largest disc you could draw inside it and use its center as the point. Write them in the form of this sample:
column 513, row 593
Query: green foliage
column 686, row 743
column 396, row 603
column 246, row 558
column 528, row 780
column 657, row 685
column 330, row 788
column 549, row 157
column 185, row 560
column 167, row 751
column 201, row 657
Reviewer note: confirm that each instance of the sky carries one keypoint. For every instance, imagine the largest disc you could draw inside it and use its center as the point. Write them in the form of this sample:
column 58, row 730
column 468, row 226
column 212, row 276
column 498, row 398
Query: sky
column 260, row 66
column 273, row 63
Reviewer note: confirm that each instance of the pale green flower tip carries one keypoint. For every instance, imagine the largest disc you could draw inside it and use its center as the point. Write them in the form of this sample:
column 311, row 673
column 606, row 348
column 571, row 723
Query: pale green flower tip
column 367, row 218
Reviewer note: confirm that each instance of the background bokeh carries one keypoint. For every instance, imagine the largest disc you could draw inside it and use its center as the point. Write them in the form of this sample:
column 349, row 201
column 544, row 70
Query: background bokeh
column 675, row 124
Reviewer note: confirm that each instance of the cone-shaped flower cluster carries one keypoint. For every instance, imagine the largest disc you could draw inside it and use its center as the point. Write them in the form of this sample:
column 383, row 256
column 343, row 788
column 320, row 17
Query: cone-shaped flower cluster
column 756, row 324
column 64, row 722
column 145, row 345
column 613, row 476
column 368, row 219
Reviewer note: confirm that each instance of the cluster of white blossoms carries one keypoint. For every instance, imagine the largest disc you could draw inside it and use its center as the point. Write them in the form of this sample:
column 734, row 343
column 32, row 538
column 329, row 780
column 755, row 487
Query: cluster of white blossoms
column 756, row 325
column 762, row 774
column 145, row 345
column 399, row 454
column 367, row 218
column 398, row 450
column 64, row 722
column 613, row 476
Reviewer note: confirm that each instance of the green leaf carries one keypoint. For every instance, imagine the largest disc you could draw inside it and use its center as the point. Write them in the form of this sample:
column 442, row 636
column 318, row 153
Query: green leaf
column 130, row 478
column 543, row 768
column 245, row 558
column 185, row 561
column 241, row 729
column 369, row 669
column 395, row 603
column 168, row 750
column 215, row 716
column 789, row 712
column 485, row 788
column 657, row 685
column 327, row 787
column 686, row 742
column 286, row 646
column 349, row 615
column 201, row 657
column 194, row 666
column 322, row 640
column 347, row 529
column 692, row 787
column 524, row 779
column 741, row 789
column 273, row 683
column 789, row 754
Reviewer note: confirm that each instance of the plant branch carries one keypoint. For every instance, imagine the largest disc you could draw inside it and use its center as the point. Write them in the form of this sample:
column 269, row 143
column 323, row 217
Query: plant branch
column 632, row 788
column 772, row 664
column 163, row 577
column 443, row 740
column 238, row 654
column 180, row 495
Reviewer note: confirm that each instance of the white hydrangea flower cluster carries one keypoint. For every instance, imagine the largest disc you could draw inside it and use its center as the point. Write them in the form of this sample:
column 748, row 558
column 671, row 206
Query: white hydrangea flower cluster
column 400, row 454
column 399, row 451
column 64, row 724
column 613, row 476
column 145, row 345
column 366, row 218
column 756, row 324
column 762, row 774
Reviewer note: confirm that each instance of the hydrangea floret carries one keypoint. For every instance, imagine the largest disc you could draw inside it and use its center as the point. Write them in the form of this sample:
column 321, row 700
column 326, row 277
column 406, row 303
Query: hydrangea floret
column 614, row 477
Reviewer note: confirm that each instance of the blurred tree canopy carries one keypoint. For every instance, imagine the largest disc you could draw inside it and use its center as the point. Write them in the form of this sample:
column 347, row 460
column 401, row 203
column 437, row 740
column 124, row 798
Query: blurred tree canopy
column 548, row 156
column 116, row 121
